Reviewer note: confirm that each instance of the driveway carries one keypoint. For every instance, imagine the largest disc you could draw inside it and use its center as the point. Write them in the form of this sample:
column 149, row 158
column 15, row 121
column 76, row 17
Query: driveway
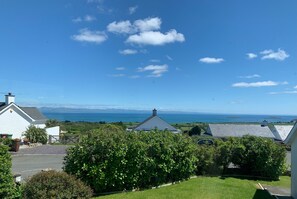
column 30, row 161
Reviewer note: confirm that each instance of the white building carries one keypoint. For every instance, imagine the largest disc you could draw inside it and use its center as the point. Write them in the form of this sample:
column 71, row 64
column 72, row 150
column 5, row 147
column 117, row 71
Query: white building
column 14, row 119
column 292, row 140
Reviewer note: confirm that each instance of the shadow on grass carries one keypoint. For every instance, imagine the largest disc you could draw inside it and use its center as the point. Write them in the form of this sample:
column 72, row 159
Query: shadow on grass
column 262, row 194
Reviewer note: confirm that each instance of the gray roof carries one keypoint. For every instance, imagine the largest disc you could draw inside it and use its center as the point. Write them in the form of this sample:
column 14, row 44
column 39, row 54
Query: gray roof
column 281, row 131
column 155, row 122
column 34, row 113
column 239, row 130
column 3, row 105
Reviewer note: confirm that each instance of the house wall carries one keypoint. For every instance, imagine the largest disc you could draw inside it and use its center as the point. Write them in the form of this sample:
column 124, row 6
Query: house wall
column 13, row 122
column 294, row 168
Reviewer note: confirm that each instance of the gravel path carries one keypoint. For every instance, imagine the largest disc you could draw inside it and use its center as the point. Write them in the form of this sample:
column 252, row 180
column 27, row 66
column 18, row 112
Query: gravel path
column 44, row 149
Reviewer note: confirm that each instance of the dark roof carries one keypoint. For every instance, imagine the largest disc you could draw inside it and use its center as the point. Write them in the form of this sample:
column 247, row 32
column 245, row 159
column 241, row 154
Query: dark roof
column 34, row 113
column 239, row 130
column 3, row 105
column 154, row 122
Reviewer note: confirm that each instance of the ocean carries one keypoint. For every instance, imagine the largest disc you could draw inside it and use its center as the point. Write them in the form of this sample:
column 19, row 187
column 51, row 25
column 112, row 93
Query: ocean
column 169, row 117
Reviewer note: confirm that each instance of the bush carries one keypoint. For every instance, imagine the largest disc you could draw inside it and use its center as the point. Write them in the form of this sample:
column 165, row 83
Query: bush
column 116, row 160
column 196, row 130
column 7, row 188
column 259, row 157
column 54, row 184
column 36, row 135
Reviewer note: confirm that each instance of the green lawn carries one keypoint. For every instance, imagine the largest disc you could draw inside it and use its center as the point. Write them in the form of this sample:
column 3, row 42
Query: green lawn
column 206, row 188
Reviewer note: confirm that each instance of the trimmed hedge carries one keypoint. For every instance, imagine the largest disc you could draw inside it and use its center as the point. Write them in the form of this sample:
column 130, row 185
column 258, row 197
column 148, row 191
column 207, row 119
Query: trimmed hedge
column 54, row 184
column 116, row 161
column 7, row 187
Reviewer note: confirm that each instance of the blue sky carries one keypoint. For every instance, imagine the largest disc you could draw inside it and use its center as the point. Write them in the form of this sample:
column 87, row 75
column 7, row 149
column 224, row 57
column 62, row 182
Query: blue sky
column 231, row 56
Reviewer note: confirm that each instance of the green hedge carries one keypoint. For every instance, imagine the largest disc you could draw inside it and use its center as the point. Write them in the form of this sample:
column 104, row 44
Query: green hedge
column 116, row 160
column 7, row 187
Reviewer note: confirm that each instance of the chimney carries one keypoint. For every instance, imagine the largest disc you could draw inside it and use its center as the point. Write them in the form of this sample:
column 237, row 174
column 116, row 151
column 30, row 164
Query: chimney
column 154, row 112
column 9, row 98
column 264, row 123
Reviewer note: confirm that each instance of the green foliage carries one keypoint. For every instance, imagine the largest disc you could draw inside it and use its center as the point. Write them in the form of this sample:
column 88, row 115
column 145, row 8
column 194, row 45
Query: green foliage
column 36, row 135
column 7, row 187
column 115, row 160
column 259, row 156
column 6, row 141
column 196, row 130
column 52, row 123
column 254, row 156
column 54, row 184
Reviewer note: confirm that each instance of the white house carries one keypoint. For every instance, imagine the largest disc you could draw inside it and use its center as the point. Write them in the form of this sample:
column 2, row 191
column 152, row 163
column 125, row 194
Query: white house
column 155, row 122
column 292, row 140
column 14, row 119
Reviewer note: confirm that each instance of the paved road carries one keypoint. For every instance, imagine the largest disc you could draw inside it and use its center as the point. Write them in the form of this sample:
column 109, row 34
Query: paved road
column 28, row 162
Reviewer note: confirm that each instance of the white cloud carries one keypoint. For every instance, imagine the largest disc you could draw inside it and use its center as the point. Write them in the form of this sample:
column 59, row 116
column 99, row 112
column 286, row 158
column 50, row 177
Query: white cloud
column 156, row 38
column 155, row 60
column 295, row 87
column 169, row 58
column 121, row 27
column 120, row 68
column 156, row 70
column 117, row 75
column 258, row 84
column 251, row 55
column 148, row 24
column 77, row 20
column 211, row 60
column 250, row 76
column 132, row 9
column 283, row 92
column 86, row 35
column 89, row 18
column 134, row 76
column 279, row 55
column 128, row 52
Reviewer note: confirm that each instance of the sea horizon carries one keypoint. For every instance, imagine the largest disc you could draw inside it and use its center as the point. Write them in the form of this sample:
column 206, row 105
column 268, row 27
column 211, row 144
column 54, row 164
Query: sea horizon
column 170, row 117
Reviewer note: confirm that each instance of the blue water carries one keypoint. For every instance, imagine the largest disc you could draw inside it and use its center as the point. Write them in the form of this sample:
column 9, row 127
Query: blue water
column 170, row 118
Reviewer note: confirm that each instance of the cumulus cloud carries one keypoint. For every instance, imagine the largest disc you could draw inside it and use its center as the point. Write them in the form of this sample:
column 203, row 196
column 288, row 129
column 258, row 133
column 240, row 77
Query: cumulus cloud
column 128, row 52
column 258, row 84
column 250, row 76
column 86, row 35
column 211, row 60
column 279, row 55
column 132, row 9
column 251, row 55
column 156, row 38
column 148, row 24
column 155, row 70
column 121, row 27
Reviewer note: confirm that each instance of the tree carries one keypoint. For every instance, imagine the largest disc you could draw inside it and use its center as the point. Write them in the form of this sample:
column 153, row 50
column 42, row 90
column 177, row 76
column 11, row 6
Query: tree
column 52, row 123
column 35, row 135
column 196, row 130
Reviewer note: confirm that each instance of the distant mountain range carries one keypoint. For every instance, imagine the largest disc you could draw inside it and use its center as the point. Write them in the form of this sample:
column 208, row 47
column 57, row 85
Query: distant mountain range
column 86, row 110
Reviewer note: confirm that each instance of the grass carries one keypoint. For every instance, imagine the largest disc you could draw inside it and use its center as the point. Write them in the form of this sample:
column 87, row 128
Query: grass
column 206, row 188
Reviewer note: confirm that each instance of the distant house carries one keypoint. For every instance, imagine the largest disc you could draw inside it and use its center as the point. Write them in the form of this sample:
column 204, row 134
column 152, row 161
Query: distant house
column 292, row 140
column 155, row 122
column 14, row 119
column 239, row 130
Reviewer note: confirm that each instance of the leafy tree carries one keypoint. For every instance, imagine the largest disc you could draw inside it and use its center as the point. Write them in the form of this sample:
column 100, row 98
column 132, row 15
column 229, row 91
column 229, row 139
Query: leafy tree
column 6, row 178
column 36, row 135
column 52, row 123
column 196, row 130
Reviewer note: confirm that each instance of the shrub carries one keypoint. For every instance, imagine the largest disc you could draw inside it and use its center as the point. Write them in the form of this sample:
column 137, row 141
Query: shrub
column 116, row 160
column 196, row 130
column 54, row 184
column 6, row 178
column 36, row 135
column 259, row 157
